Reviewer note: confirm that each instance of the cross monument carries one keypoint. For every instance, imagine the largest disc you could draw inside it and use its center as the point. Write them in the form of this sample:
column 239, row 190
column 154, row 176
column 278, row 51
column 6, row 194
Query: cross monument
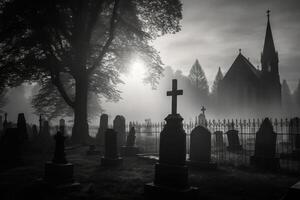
column 174, row 93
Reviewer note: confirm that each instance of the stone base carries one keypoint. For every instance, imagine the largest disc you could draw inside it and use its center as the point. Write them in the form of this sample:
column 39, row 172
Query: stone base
column 265, row 162
column 293, row 193
column 171, row 175
column 235, row 148
column 129, row 151
column 153, row 191
column 59, row 173
column 111, row 161
column 202, row 165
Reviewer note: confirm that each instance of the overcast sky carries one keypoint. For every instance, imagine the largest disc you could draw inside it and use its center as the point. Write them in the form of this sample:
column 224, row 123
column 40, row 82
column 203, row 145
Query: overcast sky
column 214, row 30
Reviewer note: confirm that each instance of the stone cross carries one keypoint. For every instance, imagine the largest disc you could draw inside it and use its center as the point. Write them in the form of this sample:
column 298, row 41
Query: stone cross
column 174, row 93
column 203, row 109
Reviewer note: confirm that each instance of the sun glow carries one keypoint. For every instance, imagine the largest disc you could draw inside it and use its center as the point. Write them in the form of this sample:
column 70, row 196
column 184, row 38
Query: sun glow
column 137, row 71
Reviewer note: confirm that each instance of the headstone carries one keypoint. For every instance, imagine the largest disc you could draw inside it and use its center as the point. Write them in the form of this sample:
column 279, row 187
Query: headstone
column 11, row 148
column 111, row 154
column 44, row 141
column 294, row 133
column 120, row 127
column 22, row 127
column 62, row 124
column 219, row 139
column 102, row 128
column 201, row 118
column 265, row 147
column 34, row 131
column 200, row 148
column 59, row 172
column 5, row 123
column 171, row 171
column 233, row 140
column 1, row 123
column 130, row 149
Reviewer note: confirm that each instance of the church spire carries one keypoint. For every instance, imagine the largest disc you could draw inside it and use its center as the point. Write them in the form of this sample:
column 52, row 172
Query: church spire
column 269, row 48
column 269, row 55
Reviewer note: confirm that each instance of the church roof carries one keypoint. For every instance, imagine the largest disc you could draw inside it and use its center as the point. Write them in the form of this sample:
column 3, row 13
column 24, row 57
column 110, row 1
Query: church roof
column 240, row 66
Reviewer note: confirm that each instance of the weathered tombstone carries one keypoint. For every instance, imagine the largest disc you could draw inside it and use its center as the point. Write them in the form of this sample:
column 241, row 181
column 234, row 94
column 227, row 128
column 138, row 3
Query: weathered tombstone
column 233, row 140
column 219, row 139
column 265, row 147
column 171, row 171
column 200, row 149
column 130, row 149
column 59, row 172
column 201, row 118
column 111, row 154
column 102, row 128
column 294, row 133
column 120, row 128
column 11, row 148
column 62, row 124
column 22, row 127
column 34, row 131
column 44, row 141
column 1, row 123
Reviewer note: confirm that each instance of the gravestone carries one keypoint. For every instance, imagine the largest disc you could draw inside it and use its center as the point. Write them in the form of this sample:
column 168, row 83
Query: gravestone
column 11, row 148
column 111, row 154
column 200, row 149
column 1, row 123
column 62, row 124
column 102, row 128
column 120, row 128
column 22, row 127
column 219, row 139
column 34, row 131
column 265, row 147
column 5, row 123
column 171, row 171
column 44, row 141
column 59, row 172
column 294, row 133
column 233, row 141
column 201, row 118
column 130, row 149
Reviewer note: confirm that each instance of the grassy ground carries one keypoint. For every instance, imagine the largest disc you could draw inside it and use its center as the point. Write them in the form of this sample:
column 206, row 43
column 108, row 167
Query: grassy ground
column 127, row 181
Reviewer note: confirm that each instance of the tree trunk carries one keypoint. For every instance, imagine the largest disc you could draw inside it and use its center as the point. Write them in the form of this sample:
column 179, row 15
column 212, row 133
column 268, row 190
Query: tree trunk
column 80, row 132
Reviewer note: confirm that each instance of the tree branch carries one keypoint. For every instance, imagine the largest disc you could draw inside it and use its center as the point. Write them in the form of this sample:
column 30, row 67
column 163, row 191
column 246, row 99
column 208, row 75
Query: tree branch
column 113, row 23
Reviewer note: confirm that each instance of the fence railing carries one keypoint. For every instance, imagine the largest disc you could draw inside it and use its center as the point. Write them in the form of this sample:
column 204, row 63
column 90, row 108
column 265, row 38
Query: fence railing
column 148, row 135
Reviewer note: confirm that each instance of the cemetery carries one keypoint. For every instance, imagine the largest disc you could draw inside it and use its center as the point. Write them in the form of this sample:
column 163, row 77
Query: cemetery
column 172, row 159
column 98, row 100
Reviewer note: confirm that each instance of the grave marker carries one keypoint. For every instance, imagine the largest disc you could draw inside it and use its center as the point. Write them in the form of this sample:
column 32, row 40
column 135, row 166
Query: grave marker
column 130, row 149
column 111, row 152
column 233, row 141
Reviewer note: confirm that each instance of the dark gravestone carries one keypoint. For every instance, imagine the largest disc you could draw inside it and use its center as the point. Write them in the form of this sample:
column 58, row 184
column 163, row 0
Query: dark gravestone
column 233, row 140
column 1, row 123
column 5, row 123
column 219, row 139
column 294, row 133
column 22, row 127
column 265, row 147
column 34, row 131
column 200, row 148
column 171, row 171
column 62, row 125
column 44, row 141
column 102, row 128
column 11, row 148
column 111, row 154
column 120, row 127
column 130, row 149
column 59, row 172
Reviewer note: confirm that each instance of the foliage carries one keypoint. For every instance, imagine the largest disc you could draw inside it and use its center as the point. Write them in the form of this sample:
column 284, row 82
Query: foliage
column 198, row 78
column 216, row 83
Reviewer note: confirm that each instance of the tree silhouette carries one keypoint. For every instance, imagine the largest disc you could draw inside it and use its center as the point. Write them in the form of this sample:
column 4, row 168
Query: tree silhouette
column 215, row 86
column 90, row 40
column 287, row 99
column 198, row 79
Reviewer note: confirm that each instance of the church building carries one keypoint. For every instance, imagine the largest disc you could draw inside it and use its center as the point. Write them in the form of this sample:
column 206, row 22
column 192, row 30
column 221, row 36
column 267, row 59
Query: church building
column 247, row 89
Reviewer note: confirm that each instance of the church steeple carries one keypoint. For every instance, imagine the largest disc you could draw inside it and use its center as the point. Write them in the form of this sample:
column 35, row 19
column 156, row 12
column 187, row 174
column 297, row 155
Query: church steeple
column 269, row 57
